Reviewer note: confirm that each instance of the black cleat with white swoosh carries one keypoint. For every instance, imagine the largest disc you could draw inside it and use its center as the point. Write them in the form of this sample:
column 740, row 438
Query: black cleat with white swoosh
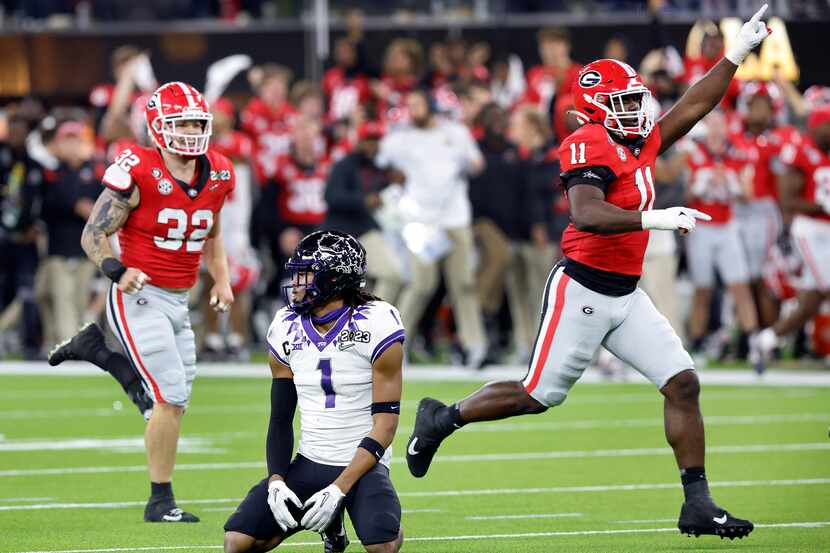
column 155, row 512
column 426, row 437
column 703, row 517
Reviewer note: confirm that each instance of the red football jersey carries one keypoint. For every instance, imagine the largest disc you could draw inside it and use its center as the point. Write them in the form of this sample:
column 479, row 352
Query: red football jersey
column 392, row 109
column 165, row 234
column 633, row 189
column 814, row 164
column 344, row 93
column 715, row 181
column 696, row 69
column 234, row 145
column 763, row 151
column 270, row 129
column 301, row 195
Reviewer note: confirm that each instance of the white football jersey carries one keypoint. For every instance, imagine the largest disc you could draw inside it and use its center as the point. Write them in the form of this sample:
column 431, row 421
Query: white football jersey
column 333, row 376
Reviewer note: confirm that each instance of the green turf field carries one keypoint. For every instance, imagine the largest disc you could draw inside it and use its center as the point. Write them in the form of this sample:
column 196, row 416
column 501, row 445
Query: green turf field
column 593, row 475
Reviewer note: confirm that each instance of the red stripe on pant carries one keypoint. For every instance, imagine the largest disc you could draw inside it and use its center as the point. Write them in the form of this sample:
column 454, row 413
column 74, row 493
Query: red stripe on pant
column 134, row 350
column 549, row 333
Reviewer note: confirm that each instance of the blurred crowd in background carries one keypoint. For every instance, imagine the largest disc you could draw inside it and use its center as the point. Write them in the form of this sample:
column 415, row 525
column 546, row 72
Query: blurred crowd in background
column 443, row 162
column 148, row 10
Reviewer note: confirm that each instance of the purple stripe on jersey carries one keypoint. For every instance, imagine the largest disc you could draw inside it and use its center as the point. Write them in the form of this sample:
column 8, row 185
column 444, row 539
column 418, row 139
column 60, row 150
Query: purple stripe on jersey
column 278, row 357
column 395, row 316
column 322, row 341
column 325, row 382
column 397, row 336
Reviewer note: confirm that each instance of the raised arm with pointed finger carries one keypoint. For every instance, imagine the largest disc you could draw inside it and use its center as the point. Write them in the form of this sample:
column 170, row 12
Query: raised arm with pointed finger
column 704, row 95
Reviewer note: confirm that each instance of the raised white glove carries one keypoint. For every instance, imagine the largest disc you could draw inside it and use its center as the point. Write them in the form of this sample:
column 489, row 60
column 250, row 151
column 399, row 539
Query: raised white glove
column 278, row 494
column 672, row 218
column 322, row 507
column 751, row 34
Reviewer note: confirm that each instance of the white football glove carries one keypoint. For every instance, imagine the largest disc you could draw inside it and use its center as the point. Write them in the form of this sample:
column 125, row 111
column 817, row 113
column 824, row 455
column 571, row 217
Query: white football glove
column 751, row 34
column 322, row 507
column 672, row 218
column 278, row 494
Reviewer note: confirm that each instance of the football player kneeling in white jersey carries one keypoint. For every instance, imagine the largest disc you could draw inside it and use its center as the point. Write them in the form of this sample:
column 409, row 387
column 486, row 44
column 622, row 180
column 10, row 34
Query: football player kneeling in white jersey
column 336, row 351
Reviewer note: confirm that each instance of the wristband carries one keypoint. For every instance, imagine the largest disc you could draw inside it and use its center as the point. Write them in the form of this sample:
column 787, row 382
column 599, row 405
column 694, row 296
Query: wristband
column 113, row 268
column 372, row 446
column 393, row 407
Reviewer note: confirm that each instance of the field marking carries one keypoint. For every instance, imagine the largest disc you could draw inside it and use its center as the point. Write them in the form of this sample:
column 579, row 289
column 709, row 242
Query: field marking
column 635, row 397
column 473, row 537
column 643, row 521
column 523, row 517
column 613, row 488
column 135, row 444
column 712, row 420
column 445, row 493
column 444, row 373
column 466, row 458
column 18, row 499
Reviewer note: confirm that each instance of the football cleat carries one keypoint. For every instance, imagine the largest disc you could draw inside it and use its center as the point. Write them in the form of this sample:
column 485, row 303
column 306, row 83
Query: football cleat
column 425, row 439
column 699, row 518
column 757, row 356
column 334, row 537
column 78, row 348
column 152, row 513
column 141, row 400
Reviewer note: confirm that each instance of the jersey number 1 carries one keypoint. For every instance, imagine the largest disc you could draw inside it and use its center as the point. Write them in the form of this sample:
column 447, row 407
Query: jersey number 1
column 202, row 220
column 325, row 381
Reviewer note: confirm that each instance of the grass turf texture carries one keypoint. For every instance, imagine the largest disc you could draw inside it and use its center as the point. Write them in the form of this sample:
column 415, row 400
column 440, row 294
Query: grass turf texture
column 566, row 467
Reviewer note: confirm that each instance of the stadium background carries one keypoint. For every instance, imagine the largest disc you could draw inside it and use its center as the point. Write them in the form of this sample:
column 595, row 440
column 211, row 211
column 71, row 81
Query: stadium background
column 53, row 57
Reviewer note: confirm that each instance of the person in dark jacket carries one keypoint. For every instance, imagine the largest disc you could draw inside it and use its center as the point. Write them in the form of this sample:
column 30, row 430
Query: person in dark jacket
column 545, row 216
column 352, row 195
column 497, row 196
column 67, row 196
column 20, row 181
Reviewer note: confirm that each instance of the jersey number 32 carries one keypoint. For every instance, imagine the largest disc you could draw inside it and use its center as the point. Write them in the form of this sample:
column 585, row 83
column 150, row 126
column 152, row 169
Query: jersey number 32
column 191, row 235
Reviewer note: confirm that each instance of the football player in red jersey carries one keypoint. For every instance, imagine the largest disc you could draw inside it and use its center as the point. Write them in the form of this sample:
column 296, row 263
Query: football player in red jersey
column 164, row 202
column 805, row 195
column 591, row 297
column 759, row 220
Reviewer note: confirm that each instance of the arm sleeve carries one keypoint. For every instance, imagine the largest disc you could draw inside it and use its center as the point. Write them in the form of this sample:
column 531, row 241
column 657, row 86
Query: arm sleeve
column 600, row 176
column 280, row 442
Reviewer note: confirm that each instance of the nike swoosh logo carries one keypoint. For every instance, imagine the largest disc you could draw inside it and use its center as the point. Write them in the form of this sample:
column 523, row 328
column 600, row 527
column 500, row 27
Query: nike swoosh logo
column 345, row 346
column 412, row 450
column 172, row 518
column 721, row 520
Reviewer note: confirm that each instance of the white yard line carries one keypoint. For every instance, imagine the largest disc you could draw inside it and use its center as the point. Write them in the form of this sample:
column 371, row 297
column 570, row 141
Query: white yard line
column 467, row 458
column 613, row 488
column 136, row 444
column 605, row 424
column 438, row 373
column 524, row 517
column 472, row 537
column 442, row 493
column 643, row 521
column 46, row 412
column 203, row 440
